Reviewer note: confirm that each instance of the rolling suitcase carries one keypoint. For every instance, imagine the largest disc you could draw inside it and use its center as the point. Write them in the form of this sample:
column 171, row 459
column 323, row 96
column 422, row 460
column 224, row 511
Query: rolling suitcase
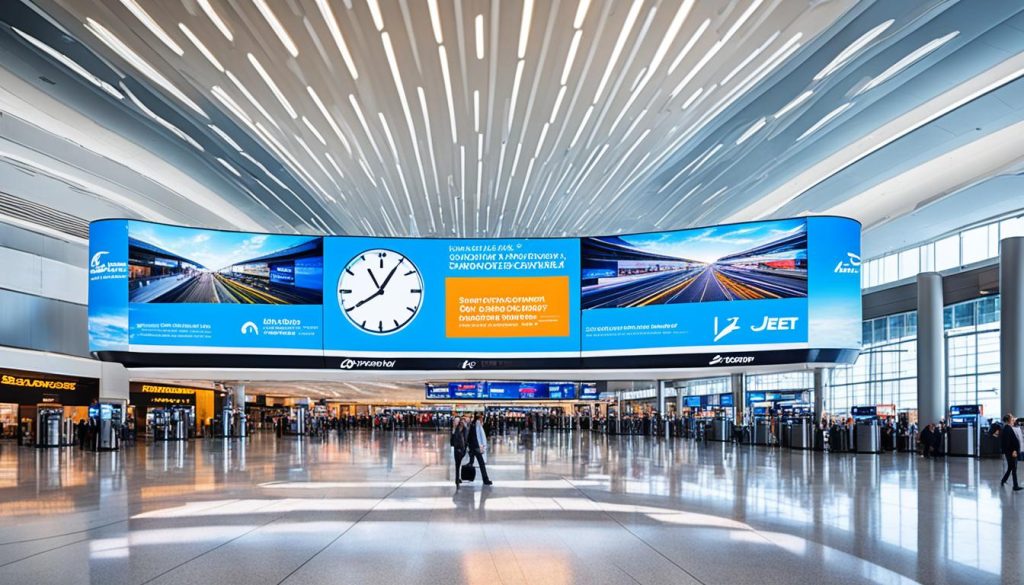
column 468, row 472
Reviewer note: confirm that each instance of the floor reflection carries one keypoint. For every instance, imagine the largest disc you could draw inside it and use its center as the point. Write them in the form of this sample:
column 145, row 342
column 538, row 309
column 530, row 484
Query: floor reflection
column 565, row 508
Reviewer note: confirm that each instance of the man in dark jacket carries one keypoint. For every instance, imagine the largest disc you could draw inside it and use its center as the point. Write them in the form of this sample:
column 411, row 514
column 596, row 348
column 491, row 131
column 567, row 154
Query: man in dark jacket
column 458, row 443
column 1011, row 443
column 476, row 440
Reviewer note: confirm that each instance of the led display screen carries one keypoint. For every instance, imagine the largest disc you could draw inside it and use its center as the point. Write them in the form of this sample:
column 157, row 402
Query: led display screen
column 781, row 291
column 502, row 391
column 784, row 284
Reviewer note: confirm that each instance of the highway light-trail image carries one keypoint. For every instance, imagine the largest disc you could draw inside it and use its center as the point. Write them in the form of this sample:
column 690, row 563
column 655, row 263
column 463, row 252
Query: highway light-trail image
column 181, row 265
column 753, row 261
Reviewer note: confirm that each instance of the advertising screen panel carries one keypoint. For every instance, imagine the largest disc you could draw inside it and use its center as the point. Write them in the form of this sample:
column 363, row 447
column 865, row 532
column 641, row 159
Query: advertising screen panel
column 206, row 291
column 772, row 285
column 451, row 298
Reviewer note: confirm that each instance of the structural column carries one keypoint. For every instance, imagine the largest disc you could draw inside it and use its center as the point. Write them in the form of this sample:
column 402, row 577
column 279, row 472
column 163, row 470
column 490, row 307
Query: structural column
column 739, row 397
column 820, row 388
column 931, row 351
column 680, row 391
column 1011, row 327
column 662, row 388
column 238, row 393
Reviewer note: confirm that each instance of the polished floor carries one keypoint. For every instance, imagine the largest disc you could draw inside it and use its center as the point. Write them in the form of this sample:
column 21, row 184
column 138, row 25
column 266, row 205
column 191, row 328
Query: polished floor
column 582, row 508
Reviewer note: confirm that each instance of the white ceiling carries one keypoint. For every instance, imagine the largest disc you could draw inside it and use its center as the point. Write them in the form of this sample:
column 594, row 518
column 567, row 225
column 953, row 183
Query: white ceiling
column 771, row 108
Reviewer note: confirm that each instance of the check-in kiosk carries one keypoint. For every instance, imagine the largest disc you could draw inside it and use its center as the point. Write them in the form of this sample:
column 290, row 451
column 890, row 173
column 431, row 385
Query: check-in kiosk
column 172, row 423
column 867, row 430
column 50, row 425
column 797, row 425
column 107, row 422
column 762, row 426
column 965, row 430
column 721, row 429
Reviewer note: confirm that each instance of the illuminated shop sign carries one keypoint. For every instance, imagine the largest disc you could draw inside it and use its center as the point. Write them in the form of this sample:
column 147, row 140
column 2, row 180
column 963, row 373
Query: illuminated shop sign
column 41, row 384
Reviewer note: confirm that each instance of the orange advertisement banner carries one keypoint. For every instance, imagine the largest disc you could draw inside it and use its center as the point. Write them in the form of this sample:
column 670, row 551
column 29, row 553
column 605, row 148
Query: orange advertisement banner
column 528, row 306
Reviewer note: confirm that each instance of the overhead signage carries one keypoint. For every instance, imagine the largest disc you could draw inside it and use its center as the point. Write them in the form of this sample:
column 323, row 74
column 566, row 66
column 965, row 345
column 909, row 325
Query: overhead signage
column 25, row 387
column 501, row 391
column 752, row 294
column 23, row 382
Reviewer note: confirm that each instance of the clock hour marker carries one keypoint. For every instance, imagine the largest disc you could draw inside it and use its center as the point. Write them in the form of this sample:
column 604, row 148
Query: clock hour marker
column 415, row 290
column 380, row 326
column 347, row 309
column 345, row 291
column 350, row 272
column 397, row 324
column 363, row 325
column 410, row 272
column 411, row 310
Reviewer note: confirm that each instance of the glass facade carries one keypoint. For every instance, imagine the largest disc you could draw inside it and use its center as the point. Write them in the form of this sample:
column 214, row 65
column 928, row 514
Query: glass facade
column 886, row 371
column 963, row 248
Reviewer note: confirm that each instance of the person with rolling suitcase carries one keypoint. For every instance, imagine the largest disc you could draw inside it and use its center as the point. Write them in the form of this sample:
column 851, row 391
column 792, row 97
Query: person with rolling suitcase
column 476, row 440
column 458, row 443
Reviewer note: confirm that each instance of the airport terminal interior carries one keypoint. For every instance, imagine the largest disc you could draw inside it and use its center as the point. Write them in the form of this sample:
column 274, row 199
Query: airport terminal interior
column 535, row 292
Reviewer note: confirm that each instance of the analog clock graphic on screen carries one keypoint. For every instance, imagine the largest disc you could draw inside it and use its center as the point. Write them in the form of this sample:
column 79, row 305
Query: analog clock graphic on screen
column 380, row 291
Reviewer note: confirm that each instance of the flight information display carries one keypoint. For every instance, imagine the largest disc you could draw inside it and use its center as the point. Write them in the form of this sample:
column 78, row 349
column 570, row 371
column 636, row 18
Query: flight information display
column 503, row 391
column 771, row 292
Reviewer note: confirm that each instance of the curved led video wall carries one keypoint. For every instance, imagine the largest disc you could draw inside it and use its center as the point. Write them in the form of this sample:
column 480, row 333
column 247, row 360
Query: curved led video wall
column 761, row 293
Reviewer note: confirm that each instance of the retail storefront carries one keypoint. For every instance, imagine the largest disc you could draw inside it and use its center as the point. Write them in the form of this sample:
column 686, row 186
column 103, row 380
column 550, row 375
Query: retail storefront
column 148, row 397
column 22, row 392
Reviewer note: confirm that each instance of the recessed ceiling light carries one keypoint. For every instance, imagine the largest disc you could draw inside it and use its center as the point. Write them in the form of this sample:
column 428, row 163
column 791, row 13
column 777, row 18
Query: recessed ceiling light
column 378, row 20
column 581, row 13
column 278, row 28
column 620, row 42
column 847, row 54
column 152, row 25
column 118, row 46
column 825, row 120
column 693, row 97
column 330, row 119
column 573, row 48
column 216, row 19
column 229, row 167
column 273, row 86
column 750, row 58
column 70, row 64
column 752, row 130
column 224, row 136
column 160, row 120
column 479, row 26
column 689, row 45
column 524, row 27
column 314, row 131
column 435, row 20
column 248, row 95
column 794, row 103
column 339, row 41
column 202, row 48
column 908, row 60
column 443, row 56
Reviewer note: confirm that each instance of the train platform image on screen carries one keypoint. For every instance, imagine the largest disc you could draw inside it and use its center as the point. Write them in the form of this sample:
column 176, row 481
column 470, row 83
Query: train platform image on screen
column 627, row 271
column 289, row 276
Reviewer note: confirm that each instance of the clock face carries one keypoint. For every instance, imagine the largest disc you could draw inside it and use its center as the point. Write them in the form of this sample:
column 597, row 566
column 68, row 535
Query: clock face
column 380, row 291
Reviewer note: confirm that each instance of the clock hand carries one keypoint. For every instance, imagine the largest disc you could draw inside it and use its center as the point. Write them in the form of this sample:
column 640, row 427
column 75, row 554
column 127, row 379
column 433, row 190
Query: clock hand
column 390, row 274
column 373, row 278
column 369, row 298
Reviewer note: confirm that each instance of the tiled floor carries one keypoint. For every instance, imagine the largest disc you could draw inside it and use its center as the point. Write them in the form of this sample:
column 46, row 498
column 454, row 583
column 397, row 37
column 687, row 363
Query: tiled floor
column 381, row 508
